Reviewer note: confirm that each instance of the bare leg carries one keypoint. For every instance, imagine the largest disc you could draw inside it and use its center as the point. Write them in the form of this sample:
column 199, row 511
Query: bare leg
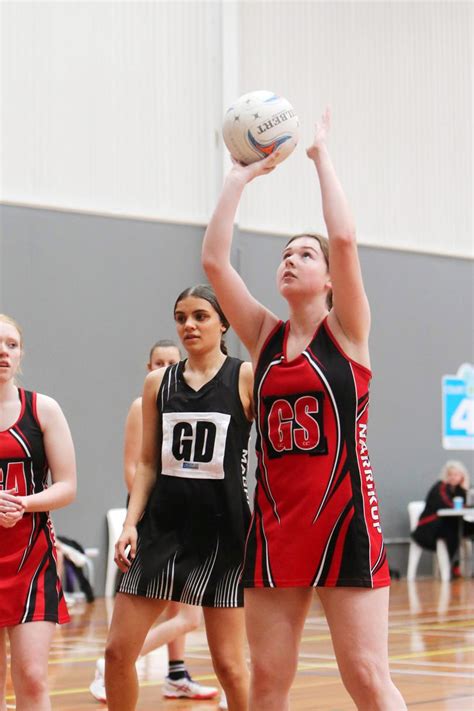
column 180, row 620
column 29, row 646
column 358, row 621
column 274, row 656
column 132, row 618
column 3, row 669
column 225, row 629
column 176, row 648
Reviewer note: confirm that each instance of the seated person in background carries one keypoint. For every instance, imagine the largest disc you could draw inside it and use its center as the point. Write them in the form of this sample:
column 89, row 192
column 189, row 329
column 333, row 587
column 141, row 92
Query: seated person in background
column 454, row 482
column 72, row 562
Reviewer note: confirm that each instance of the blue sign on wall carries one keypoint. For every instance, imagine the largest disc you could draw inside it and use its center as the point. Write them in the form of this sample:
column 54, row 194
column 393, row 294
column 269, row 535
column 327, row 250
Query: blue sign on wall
column 458, row 408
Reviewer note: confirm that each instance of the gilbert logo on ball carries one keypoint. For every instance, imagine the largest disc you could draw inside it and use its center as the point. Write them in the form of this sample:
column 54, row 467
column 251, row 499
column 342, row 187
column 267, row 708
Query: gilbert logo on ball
column 258, row 124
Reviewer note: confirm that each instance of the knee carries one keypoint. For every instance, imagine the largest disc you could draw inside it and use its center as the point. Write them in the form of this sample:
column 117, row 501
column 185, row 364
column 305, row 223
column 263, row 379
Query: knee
column 271, row 675
column 365, row 677
column 33, row 682
column 229, row 670
column 116, row 655
column 190, row 621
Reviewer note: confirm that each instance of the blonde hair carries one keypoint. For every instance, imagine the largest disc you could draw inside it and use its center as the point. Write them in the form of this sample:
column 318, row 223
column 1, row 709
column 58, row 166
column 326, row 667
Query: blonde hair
column 12, row 322
column 454, row 464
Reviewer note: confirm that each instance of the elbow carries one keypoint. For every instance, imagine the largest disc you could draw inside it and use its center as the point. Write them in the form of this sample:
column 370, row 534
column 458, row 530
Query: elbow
column 345, row 237
column 210, row 265
column 71, row 494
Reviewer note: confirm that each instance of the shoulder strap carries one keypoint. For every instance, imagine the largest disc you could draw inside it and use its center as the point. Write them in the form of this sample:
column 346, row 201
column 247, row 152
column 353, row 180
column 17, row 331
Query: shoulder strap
column 169, row 384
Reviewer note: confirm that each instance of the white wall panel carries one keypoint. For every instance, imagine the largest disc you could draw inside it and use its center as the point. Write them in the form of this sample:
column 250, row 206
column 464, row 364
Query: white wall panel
column 399, row 79
column 116, row 107
column 111, row 106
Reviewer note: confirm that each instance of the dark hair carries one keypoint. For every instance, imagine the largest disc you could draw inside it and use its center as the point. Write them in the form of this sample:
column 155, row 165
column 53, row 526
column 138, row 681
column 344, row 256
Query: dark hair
column 164, row 343
column 324, row 244
column 206, row 292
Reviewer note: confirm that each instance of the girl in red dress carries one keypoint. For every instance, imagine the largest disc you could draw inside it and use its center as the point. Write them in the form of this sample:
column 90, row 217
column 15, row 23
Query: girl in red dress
column 34, row 440
column 315, row 522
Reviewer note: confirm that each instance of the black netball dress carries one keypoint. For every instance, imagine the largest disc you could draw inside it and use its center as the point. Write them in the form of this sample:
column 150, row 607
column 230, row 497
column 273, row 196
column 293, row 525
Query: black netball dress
column 191, row 539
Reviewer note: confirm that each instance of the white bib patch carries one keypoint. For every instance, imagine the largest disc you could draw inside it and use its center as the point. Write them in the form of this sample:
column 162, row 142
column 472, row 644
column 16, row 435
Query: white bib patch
column 194, row 444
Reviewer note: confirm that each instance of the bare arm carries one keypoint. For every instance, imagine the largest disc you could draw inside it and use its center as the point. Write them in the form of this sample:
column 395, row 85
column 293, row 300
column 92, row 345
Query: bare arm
column 246, row 389
column 146, row 472
column 59, row 450
column 250, row 320
column 132, row 442
column 351, row 307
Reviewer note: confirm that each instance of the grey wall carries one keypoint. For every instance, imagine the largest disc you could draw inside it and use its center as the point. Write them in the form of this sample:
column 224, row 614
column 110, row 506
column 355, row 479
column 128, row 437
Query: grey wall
column 92, row 294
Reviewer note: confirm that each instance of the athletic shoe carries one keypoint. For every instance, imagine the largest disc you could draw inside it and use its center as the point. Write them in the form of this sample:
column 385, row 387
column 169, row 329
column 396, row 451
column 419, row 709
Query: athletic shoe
column 187, row 688
column 97, row 688
column 223, row 702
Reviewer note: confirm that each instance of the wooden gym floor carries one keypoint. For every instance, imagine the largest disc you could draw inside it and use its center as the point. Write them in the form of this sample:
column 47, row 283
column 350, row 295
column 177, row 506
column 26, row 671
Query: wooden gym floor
column 431, row 653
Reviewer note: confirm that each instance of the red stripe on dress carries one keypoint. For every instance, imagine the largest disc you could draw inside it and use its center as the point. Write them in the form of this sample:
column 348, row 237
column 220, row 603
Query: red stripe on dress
column 428, row 519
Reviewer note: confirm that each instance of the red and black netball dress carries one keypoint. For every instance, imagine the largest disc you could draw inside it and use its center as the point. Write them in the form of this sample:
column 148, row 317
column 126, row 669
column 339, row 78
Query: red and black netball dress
column 30, row 590
column 316, row 519
column 191, row 539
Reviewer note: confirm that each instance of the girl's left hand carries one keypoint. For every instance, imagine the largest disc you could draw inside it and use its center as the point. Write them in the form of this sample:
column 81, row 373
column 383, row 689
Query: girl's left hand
column 8, row 520
column 320, row 134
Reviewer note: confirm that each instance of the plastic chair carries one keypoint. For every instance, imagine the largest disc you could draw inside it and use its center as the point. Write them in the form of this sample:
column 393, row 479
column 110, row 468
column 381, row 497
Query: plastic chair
column 91, row 553
column 115, row 519
column 415, row 509
column 81, row 561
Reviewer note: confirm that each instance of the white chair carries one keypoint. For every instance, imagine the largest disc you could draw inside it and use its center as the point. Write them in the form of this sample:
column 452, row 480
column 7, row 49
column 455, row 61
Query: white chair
column 91, row 553
column 83, row 561
column 415, row 509
column 115, row 519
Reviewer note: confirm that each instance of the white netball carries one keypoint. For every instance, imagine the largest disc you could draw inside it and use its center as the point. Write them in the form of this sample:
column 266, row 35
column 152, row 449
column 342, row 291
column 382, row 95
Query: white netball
column 258, row 124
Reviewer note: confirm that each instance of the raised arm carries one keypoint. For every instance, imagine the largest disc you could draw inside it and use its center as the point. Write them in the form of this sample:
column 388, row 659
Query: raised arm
column 249, row 318
column 350, row 304
column 246, row 389
column 146, row 472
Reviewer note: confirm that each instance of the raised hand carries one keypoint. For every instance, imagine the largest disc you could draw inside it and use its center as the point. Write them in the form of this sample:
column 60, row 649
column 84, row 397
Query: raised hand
column 246, row 173
column 321, row 133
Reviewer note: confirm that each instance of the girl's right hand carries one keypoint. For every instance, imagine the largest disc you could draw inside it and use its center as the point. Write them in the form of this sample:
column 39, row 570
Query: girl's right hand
column 321, row 133
column 10, row 502
column 246, row 173
column 128, row 538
